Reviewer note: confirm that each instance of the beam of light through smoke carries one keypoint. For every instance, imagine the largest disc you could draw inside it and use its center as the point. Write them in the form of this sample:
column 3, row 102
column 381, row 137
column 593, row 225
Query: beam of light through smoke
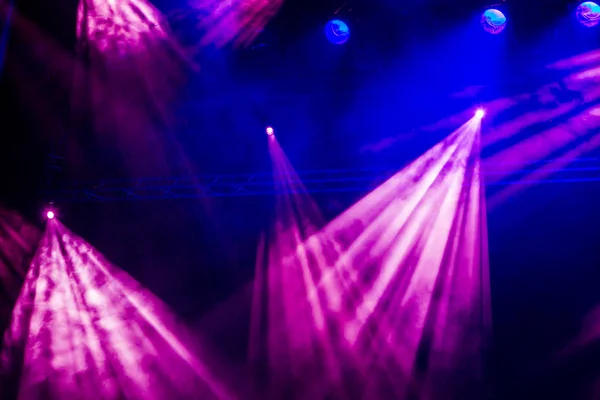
column 35, row 49
column 83, row 329
column 122, row 27
column 559, row 124
column 576, row 93
column 130, row 33
column 113, row 122
column 551, row 101
column 573, row 104
column 577, row 122
column 18, row 242
column 541, row 146
column 415, row 253
column 223, row 22
column 396, row 289
column 492, row 108
column 133, row 72
column 289, row 331
column 544, row 172
column 134, row 75
column 121, row 88
column 592, row 57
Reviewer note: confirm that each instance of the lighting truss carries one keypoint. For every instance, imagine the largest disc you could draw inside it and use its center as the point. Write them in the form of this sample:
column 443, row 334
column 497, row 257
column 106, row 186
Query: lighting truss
column 319, row 181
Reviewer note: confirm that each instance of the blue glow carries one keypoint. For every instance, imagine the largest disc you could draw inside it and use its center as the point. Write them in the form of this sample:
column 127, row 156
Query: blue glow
column 337, row 31
column 588, row 13
column 493, row 21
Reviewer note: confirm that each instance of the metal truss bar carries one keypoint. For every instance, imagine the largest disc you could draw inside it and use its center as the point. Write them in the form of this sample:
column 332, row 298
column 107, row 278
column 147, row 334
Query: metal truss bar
column 318, row 181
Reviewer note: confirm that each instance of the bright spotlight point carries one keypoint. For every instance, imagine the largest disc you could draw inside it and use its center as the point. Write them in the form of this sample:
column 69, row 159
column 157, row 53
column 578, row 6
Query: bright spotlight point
column 270, row 131
column 337, row 31
column 50, row 215
column 493, row 21
column 588, row 13
column 480, row 113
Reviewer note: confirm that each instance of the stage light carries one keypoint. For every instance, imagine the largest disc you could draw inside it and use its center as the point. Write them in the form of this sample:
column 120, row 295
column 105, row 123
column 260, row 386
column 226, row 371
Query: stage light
column 50, row 215
column 80, row 308
column 480, row 113
column 588, row 13
column 270, row 131
column 379, row 284
column 337, row 31
column 493, row 21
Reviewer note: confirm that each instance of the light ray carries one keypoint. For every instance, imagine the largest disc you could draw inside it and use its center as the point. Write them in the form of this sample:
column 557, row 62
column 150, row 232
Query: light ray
column 543, row 173
column 83, row 329
column 415, row 256
column 18, row 242
column 223, row 22
column 399, row 278
column 132, row 72
column 300, row 352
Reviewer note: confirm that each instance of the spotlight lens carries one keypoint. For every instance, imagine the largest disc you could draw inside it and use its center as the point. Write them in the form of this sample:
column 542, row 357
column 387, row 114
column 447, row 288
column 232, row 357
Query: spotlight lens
column 337, row 32
column 50, row 214
column 588, row 13
column 270, row 131
column 493, row 21
column 480, row 113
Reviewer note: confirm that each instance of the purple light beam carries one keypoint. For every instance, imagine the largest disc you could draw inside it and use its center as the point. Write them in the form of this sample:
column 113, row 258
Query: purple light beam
column 83, row 329
column 299, row 355
column 392, row 296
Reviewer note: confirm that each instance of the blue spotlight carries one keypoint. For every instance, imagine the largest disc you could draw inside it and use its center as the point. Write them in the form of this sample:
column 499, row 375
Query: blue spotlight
column 493, row 21
column 337, row 31
column 588, row 13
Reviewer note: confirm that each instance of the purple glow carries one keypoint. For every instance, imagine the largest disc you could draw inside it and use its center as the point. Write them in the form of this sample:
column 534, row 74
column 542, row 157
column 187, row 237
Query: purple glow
column 480, row 113
column 421, row 232
column 83, row 329
column 580, row 60
column 133, row 73
column 403, row 269
column 131, row 24
column 270, row 131
column 532, row 178
column 50, row 215
column 237, row 22
column 294, row 318
column 579, row 94
column 572, row 101
column 18, row 243
column 541, row 145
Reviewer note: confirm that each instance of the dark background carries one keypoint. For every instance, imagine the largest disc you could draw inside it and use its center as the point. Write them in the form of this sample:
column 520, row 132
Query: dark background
column 398, row 73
